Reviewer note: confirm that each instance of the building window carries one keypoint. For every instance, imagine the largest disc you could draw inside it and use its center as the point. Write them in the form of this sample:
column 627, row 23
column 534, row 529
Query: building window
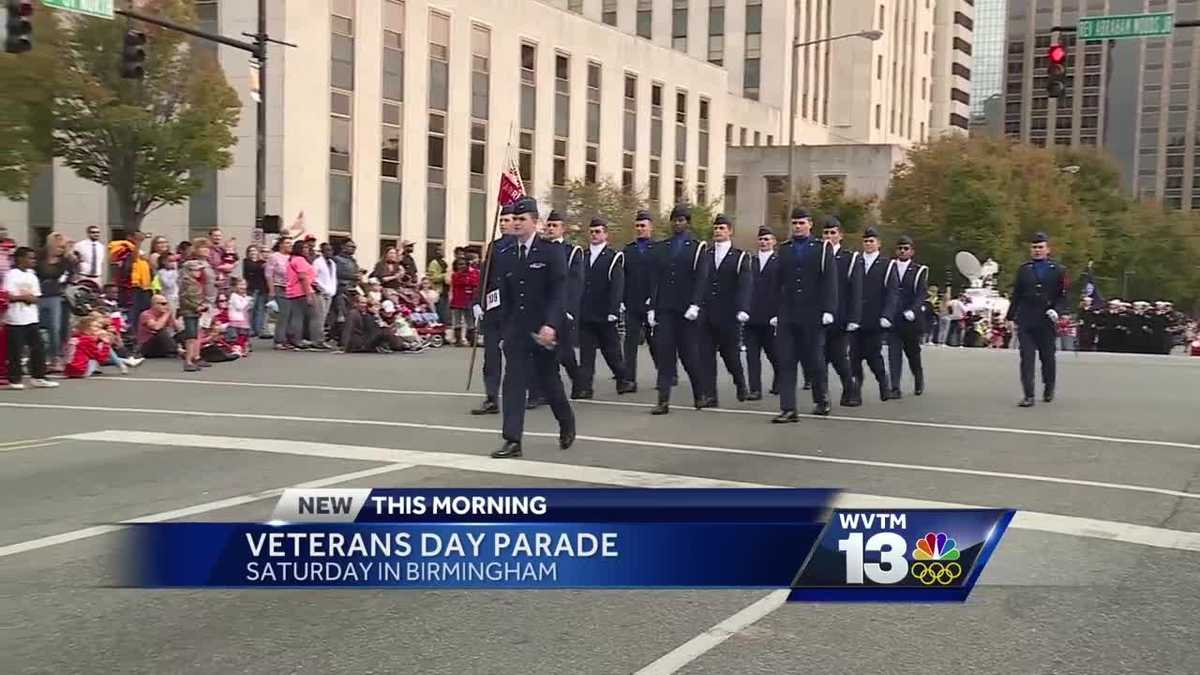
column 681, row 134
column 528, row 116
column 629, row 132
column 679, row 28
column 962, row 46
column 608, row 12
column 878, row 116
column 750, row 72
column 879, row 67
column 590, row 166
column 741, row 135
column 961, row 70
column 756, row 137
column 439, row 70
column 562, row 127
column 481, row 66
column 959, row 95
column 341, row 119
column 341, row 72
column 645, row 18
column 716, row 32
column 391, row 132
column 656, row 142
column 575, row 6
column 777, row 216
column 702, row 157
column 964, row 21
column 731, row 189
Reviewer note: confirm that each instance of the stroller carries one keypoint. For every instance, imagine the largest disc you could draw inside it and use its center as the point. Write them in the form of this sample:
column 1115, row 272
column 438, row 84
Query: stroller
column 84, row 297
column 434, row 334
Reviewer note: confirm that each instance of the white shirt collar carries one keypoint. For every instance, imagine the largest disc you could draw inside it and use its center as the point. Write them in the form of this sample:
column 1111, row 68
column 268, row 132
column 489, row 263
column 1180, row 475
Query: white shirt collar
column 836, row 248
column 558, row 240
column 764, row 256
column 595, row 250
column 528, row 242
column 902, row 265
column 869, row 258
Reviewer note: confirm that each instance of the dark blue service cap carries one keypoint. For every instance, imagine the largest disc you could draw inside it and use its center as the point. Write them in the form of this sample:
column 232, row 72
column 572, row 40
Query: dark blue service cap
column 598, row 222
column 765, row 231
column 830, row 223
column 904, row 240
column 722, row 219
column 554, row 215
column 681, row 211
column 870, row 232
column 798, row 213
column 643, row 214
column 525, row 205
column 506, row 210
column 1039, row 238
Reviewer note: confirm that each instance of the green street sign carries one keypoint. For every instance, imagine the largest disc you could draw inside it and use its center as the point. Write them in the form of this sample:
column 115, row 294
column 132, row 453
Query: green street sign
column 1122, row 26
column 100, row 8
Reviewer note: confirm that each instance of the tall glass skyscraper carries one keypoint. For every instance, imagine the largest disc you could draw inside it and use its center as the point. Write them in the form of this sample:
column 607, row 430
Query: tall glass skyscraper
column 987, row 81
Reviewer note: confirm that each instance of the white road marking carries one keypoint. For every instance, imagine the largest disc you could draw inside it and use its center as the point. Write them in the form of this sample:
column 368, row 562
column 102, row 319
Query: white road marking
column 693, row 649
column 28, row 446
column 98, row 530
column 1029, row 520
column 735, row 411
column 1145, row 489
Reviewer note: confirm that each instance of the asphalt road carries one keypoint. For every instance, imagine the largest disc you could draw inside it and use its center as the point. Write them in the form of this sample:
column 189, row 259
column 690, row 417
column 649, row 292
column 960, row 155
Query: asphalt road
column 1100, row 573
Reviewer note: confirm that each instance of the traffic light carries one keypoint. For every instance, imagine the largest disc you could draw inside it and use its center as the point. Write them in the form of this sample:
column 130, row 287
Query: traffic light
column 1056, row 71
column 133, row 55
column 20, row 30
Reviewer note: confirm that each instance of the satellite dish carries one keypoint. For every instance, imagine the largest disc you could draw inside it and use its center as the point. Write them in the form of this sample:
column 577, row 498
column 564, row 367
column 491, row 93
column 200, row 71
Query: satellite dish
column 968, row 265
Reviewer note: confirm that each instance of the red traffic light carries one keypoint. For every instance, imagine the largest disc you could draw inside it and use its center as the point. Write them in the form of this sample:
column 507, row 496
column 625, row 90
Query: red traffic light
column 1057, row 54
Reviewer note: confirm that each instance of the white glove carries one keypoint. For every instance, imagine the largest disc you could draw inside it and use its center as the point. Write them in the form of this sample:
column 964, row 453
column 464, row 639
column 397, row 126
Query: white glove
column 650, row 319
column 477, row 311
column 569, row 317
column 622, row 309
column 612, row 318
column 884, row 323
column 743, row 317
column 692, row 312
column 908, row 315
column 851, row 327
column 826, row 319
column 774, row 322
column 1052, row 315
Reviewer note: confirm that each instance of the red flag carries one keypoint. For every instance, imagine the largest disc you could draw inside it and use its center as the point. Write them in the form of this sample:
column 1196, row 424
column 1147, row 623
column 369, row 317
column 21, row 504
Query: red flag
column 511, row 187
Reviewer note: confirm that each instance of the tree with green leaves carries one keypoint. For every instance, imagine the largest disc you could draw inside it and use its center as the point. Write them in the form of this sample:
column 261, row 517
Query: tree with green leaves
column 142, row 138
column 29, row 82
column 617, row 205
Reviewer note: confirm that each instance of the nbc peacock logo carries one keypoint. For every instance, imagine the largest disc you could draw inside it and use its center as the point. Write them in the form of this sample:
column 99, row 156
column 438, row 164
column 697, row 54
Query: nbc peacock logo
column 935, row 557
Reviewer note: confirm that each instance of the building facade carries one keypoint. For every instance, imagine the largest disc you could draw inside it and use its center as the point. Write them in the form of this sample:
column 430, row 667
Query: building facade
column 392, row 120
column 953, row 61
column 1135, row 98
column 987, row 76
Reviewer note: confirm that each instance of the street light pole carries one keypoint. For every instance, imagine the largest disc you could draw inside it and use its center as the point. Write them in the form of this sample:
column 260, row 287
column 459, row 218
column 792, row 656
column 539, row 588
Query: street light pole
column 260, row 150
column 871, row 35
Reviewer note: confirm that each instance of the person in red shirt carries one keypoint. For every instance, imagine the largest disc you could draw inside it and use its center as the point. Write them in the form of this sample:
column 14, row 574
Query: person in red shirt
column 464, row 282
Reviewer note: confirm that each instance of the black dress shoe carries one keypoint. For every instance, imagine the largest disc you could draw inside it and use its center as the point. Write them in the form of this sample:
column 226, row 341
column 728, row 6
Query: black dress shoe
column 510, row 449
column 785, row 417
column 741, row 395
column 534, row 403
column 895, row 393
column 586, row 395
column 566, row 438
column 1048, row 396
column 854, row 401
column 1026, row 402
column 883, row 394
column 774, row 391
column 661, row 409
column 626, row 388
column 489, row 407
column 919, row 386
column 706, row 402
column 807, row 386
column 822, row 408
column 754, row 396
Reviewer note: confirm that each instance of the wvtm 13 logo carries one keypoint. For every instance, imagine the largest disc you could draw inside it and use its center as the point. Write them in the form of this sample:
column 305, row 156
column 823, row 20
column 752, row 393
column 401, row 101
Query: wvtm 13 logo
column 935, row 557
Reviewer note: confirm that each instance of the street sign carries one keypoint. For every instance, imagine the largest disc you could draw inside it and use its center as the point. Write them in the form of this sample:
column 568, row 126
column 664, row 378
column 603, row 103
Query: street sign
column 100, row 8
column 1122, row 26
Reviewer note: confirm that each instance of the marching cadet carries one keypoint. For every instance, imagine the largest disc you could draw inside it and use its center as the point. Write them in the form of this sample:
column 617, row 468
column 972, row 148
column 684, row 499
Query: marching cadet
column 603, row 289
column 487, row 315
column 879, row 295
column 758, row 332
column 1039, row 293
column 568, row 337
column 725, row 308
column 808, row 299
column 911, row 281
column 849, row 315
column 532, row 278
column 638, row 267
column 680, row 277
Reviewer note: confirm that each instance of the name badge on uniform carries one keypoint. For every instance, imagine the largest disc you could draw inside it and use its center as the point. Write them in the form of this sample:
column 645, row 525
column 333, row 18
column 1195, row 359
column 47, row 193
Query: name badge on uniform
column 492, row 300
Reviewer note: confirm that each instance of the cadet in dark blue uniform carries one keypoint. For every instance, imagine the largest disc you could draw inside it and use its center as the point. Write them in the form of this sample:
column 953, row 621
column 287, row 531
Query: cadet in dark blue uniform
column 849, row 315
column 532, row 274
column 603, row 289
column 726, row 307
column 568, row 335
column 1039, row 294
column 487, row 316
column 636, row 302
column 680, row 276
column 808, row 299
column 758, row 332
column 878, row 313
column 912, row 282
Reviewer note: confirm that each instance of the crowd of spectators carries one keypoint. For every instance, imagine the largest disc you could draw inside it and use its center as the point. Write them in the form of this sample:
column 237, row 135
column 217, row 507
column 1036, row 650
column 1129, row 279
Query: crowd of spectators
column 204, row 301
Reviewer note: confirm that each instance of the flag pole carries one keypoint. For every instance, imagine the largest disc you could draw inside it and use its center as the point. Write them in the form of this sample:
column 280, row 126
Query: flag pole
column 489, row 253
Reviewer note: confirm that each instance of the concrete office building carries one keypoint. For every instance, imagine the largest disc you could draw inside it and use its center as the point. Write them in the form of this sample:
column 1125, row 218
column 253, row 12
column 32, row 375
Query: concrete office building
column 1135, row 98
column 391, row 119
column 953, row 60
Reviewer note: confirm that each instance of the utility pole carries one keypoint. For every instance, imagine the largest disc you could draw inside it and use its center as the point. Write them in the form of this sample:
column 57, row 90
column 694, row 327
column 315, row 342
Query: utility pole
column 257, row 50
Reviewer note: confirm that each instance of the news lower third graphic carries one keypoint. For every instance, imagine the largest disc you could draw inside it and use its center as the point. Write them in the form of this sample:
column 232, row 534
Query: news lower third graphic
column 580, row 539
